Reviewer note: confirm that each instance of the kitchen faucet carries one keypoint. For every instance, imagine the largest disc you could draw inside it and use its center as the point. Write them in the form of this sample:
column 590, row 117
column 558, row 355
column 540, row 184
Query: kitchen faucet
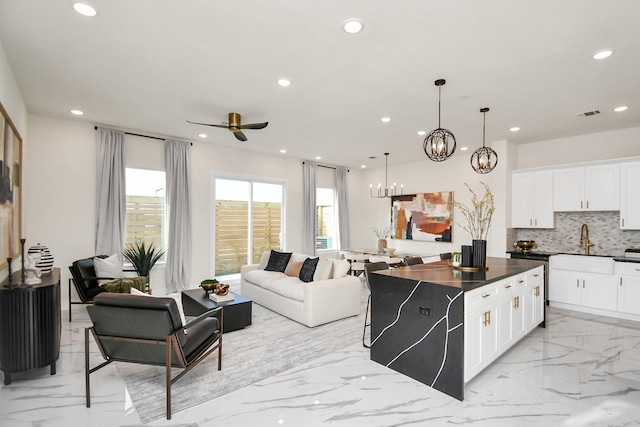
column 584, row 239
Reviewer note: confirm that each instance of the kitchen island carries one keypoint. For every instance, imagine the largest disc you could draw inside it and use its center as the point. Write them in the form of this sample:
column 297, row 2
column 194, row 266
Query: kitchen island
column 442, row 326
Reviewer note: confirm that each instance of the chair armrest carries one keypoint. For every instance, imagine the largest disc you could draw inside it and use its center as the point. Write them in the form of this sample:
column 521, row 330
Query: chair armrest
column 205, row 315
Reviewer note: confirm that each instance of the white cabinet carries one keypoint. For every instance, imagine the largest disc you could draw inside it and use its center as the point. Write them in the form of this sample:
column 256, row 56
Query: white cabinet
column 512, row 311
column 588, row 188
column 534, row 298
column 583, row 289
column 628, row 287
column 480, row 330
column 629, row 196
column 532, row 199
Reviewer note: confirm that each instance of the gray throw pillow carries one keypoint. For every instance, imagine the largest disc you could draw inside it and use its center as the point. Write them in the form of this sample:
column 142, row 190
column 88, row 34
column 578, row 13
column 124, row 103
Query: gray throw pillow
column 308, row 268
column 278, row 261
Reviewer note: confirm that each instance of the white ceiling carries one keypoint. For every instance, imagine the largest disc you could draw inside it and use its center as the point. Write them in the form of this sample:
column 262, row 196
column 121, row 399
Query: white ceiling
column 148, row 65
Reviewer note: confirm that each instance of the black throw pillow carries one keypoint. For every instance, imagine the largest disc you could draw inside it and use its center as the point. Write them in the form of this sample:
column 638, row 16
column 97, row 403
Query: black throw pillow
column 278, row 261
column 308, row 269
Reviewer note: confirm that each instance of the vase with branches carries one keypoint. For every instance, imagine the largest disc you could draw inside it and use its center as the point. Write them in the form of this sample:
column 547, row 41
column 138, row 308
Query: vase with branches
column 382, row 233
column 478, row 218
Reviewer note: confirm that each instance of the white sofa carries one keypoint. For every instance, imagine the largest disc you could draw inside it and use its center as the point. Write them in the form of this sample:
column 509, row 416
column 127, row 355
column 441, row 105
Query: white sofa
column 325, row 299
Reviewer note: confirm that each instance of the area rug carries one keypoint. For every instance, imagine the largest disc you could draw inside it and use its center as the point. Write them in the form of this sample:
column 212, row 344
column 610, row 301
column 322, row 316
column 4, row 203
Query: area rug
column 272, row 344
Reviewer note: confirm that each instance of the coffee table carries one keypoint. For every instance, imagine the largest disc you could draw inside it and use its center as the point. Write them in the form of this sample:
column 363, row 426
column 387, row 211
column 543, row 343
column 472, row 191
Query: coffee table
column 237, row 313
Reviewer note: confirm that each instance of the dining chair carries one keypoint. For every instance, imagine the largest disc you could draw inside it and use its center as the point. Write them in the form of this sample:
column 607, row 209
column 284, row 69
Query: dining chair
column 368, row 268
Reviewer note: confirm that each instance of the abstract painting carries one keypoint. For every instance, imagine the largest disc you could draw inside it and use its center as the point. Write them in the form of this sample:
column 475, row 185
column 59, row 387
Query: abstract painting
column 10, row 189
column 425, row 217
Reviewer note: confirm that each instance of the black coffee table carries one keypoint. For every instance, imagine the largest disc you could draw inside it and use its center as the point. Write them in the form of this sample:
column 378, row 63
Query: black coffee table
column 237, row 313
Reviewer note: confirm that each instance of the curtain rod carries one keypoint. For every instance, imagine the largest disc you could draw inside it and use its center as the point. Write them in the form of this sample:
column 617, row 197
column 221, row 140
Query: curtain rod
column 144, row 136
column 324, row 166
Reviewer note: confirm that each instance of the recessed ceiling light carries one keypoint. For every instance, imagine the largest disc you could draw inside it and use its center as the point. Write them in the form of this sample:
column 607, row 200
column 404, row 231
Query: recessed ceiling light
column 283, row 151
column 620, row 108
column 464, row 148
column 422, row 132
column 602, row 54
column 514, row 129
column 284, row 82
column 363, row 166
column 84, row 9
column 318, row 158
column 352, row 26
column 386, row 119
column 202, row 135
column 77, row 112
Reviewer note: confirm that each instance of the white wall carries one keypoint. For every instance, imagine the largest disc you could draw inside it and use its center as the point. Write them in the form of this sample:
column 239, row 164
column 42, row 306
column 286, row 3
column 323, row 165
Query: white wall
column 14, row 105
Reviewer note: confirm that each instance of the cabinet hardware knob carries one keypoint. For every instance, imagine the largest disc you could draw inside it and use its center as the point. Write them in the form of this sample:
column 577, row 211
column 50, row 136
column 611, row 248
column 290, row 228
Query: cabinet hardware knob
column 520, row 281
column 486, row 295
column 507, row 286
column 536, row 275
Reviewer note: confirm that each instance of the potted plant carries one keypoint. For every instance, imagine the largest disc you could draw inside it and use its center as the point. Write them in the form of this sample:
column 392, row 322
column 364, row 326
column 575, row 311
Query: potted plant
column 479, row 220
column 142, row 257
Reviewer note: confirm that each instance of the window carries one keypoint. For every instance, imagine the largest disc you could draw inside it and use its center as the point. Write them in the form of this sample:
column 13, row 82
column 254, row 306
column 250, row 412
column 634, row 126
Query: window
column 326, row 219
column 248, row 221
column 146, row 209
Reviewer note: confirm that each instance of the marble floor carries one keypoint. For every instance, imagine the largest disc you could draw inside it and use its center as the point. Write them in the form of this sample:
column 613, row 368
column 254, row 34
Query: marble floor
column 581, row 370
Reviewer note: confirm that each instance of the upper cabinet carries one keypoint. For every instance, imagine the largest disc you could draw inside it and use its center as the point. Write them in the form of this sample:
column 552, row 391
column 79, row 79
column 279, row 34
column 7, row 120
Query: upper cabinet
column 629, row 196
column 532, row 199
column 588, row 188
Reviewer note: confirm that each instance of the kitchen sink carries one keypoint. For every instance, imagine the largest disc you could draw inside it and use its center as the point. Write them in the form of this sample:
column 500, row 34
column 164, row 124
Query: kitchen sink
column 584, row 263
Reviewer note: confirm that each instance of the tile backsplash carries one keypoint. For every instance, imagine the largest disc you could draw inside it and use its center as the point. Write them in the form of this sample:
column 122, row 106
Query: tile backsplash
column 604, row 232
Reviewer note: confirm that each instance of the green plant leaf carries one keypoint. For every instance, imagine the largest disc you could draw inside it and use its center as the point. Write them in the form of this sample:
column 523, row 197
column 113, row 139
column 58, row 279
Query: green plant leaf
column 142, row 257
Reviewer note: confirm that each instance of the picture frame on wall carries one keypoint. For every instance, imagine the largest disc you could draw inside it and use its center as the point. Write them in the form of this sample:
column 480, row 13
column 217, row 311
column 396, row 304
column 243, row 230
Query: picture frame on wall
column 426, row 217
column 10, row 189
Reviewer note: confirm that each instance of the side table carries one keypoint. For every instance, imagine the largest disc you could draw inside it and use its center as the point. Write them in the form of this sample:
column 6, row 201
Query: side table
column 30, row 324
column 237, row 313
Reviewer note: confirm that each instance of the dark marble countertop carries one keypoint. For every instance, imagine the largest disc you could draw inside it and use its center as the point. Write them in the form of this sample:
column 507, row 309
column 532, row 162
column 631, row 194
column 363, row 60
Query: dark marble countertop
column 617, row 258
column 441, row 273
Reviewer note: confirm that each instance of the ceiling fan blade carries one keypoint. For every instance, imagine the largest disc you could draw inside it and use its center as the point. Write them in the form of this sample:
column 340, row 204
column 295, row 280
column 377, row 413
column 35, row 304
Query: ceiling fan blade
column 254, row 125
column 239, row 135
column 208, row 124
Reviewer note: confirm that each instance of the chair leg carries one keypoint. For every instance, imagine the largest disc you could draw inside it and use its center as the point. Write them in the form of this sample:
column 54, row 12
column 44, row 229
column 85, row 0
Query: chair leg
column 366, row 316
column 168, row 364
column 86, row 366
column 69, row 301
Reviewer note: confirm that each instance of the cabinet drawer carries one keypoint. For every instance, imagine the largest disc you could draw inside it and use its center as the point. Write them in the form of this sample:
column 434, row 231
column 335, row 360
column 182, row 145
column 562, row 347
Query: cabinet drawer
column 535, row 275
column 628, row 268
column 479, row 297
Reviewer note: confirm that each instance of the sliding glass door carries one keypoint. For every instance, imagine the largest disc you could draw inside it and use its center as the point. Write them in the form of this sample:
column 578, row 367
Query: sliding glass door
column 248, row 219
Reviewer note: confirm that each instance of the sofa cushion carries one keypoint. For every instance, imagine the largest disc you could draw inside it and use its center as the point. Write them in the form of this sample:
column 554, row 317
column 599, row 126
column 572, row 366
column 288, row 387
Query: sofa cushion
column 108, row 268
column 340, row 268
column 289, row 287
column 263, row 278
column 278, row 261
column 293, row 268
column 323, row 270
column 264, row 259
column 308, row 269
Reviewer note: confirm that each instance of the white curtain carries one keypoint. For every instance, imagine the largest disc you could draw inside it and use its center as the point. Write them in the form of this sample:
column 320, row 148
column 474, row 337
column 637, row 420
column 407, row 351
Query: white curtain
column 111, row 201
column 344, row 229
column 309, row 197
column 178, row 170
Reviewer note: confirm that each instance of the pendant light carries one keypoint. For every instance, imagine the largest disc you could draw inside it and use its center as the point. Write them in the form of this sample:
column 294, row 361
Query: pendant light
column 387, row 191
column 484, row 159
column 440, row 143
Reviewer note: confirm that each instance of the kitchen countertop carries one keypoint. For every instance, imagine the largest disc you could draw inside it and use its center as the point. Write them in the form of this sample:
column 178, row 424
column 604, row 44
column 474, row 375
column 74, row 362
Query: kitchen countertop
column 441, row 273
column 617, row 258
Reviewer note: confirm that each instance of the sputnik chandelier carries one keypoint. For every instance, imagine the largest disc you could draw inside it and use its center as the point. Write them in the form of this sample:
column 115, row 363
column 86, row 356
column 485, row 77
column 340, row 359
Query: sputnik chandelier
column 439, row 144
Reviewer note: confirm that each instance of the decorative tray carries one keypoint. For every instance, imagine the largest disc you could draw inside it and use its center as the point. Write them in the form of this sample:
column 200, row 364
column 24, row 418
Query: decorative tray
column 469, row 268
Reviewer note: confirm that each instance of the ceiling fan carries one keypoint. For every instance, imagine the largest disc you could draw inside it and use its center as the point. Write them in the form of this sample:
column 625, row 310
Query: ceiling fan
column 235, row 126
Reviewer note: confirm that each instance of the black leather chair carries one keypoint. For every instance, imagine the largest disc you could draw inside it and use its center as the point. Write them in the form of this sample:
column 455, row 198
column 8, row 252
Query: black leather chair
column 414, row 260
column 368, row 268
column 148, row 330
column 445, row 256
column 83, row 277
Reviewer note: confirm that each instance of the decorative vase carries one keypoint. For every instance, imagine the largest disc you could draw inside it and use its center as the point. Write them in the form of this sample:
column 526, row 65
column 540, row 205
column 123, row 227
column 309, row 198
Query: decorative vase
column 382, row 244
column 479, row 253
column 45, row 264
column 467, row 256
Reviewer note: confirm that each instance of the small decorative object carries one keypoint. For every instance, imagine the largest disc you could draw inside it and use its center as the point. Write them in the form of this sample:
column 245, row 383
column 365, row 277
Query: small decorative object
column 46, row 259
column 389, row 251
column 484, row 159
column 382, row 233
column 32, row 272
column 222, row 289
column 142, row 257
column 9, row 261
column 525, row 245
column 22, row 242
column 479, row 221
column 209, row 285
column 439, row 144
column 467, row 256
column 456, row 259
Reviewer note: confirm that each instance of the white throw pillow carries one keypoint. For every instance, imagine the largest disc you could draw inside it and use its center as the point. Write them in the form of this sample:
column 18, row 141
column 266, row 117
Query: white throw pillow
column 264, row 260
column 323, row 270
column 108, row 267
column 340, row 268
column 176, row 296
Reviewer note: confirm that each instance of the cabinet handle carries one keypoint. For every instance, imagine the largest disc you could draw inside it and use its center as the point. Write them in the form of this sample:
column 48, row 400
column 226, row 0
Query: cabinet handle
column 621, row 281
column 536, row 220
column 489, row 317
column 587, row 204
column 485, row 321
column 507, row 286
column 623, row 222
column 536, row 291
column 486, row 295
column 581, row 204
column 530, row 221
column 577, row 283
column 536, row 275
column 583, row 284
column 515, row 305
column 521, row 281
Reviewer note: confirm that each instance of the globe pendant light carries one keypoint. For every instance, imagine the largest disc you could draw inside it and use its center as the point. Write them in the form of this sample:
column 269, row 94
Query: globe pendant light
column 484, row 159
column 440, row 143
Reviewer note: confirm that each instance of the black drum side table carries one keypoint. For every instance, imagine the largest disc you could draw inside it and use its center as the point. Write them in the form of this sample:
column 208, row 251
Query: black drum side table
column 30, row 324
